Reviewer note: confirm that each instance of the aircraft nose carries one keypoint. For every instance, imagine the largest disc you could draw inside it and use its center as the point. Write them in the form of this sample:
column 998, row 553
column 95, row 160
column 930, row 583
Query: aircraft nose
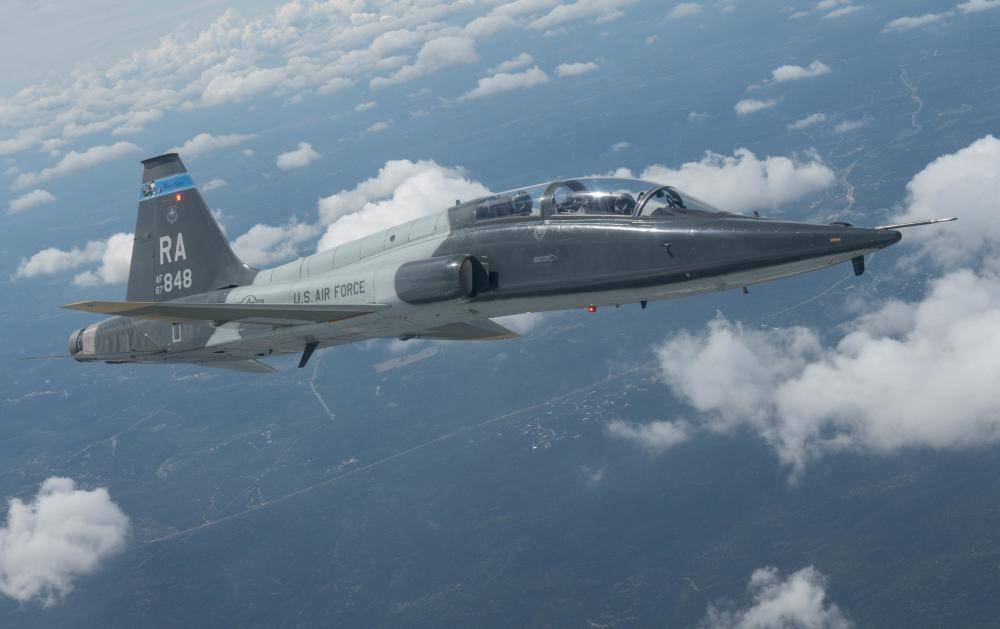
column 859, row 238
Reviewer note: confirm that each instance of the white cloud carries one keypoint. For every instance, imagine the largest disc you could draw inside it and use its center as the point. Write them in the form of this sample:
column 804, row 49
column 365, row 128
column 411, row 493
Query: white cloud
column 842, row 11
column 113, row 253
column 795, row 73
column 798, row 601
column 437, row 54
column 965, row 184
column 744, row 181
column 808, row 121
column 906, row 375
column 30, row 200
column 136, row 121
column 506, row 82
column 751, row 105
column 263, row 245
column 489, row 25
column 379, row 126
column 402, row 190
column 657, row 436
column 685, row 9
column 52, row 260
column 302, row 156
column 74, row 161
column 618, row 147
column 229, row 87
column 523, row 60
column 63, row 533
column 579, row 10
column 365, row 106
column 205, row 143
column 906, row 23
column 212, row 185
column 851, row 125
column 575, row 69
column 116, row 258
column 974, row 6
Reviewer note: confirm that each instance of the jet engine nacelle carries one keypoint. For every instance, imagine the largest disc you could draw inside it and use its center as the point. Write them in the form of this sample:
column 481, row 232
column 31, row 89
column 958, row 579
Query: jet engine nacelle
column 441, row 279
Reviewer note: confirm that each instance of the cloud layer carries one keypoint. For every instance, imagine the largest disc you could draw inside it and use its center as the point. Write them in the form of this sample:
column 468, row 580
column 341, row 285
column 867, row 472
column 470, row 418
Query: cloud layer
column 304, row 155
column 744, row 181
column 796, row 601
column 63, row 533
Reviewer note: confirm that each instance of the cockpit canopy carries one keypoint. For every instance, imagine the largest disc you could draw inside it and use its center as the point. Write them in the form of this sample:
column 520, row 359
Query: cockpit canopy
column 592, row 196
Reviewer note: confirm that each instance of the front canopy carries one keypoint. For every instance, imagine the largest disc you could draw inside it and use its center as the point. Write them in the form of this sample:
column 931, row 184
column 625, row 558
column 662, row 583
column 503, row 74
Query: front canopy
column 593, row 196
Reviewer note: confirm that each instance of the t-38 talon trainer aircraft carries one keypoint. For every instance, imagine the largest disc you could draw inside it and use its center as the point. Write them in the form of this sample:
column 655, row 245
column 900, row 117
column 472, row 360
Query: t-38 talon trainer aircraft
column 577, row 243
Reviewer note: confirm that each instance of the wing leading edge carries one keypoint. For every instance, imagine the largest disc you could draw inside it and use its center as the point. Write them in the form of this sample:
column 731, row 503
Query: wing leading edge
column 250, row 313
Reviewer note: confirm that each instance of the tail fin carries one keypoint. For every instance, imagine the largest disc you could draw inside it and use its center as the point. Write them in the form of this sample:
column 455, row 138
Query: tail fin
column 179, row 249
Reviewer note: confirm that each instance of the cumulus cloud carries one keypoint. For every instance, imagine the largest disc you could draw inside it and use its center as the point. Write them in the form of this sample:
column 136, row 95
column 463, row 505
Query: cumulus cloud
column 656, row 436
column 63, row 533
column 685, row 9
column 523, row 60
column 796, row 73
column 775, row 603
column 302, row 156
column 30, row 200
column 263, row 245
column 506, row 82
column 402, row 190
column 437, row 54
column 116, row 257
column 74, row 161
column 903, row 375
column 365, row 106
column 808, row 121
column 205, row 143
column 581, row 9
column 965, row 184
column 743, row 181
column 751, row 105
column 575, row 69
column 906, row 375
column 113, row 255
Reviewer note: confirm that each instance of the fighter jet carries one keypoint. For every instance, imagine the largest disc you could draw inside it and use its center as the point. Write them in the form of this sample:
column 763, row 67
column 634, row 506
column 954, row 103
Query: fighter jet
column 575, row 243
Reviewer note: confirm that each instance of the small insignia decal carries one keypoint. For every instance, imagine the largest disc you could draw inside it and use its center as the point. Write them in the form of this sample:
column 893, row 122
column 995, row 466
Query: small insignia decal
column 539, row 233
column 172, row 214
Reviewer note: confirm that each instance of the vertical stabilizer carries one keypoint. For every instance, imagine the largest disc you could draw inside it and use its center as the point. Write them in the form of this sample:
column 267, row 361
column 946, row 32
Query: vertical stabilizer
column 179, row 249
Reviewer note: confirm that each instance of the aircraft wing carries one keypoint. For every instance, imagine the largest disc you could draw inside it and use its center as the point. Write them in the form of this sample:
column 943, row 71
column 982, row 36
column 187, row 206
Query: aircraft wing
column 246, row 366
column 249, row 313
column 473, row 330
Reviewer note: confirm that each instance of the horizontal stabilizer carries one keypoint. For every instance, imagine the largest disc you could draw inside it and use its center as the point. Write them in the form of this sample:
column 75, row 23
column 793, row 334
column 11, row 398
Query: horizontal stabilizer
column 474, row 330
column 249, row 313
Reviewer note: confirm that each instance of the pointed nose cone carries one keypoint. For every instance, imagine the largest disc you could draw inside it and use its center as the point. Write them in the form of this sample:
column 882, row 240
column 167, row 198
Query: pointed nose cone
column 859, row 239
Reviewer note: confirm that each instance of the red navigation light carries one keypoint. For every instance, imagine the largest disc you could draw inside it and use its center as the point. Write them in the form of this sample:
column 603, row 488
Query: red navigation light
column 178, row 197
column 591, row 308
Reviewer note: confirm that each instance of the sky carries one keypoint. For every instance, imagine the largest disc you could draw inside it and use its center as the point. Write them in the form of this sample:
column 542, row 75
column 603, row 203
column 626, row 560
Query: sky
column 363, row 114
